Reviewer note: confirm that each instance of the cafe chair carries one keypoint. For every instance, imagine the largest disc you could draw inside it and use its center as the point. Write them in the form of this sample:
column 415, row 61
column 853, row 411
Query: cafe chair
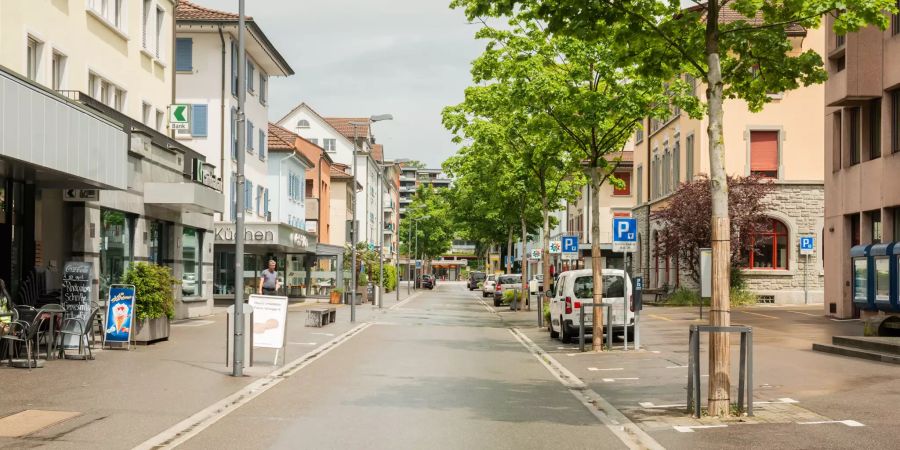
column 21, row 333
column 83, row 329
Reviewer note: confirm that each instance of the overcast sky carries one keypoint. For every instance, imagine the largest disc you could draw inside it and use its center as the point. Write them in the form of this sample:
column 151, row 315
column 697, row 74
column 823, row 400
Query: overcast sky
column 409, row 58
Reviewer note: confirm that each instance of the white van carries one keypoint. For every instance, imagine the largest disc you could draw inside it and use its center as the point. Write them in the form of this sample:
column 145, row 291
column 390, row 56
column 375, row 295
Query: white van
column 487, row 288
column 576, row 287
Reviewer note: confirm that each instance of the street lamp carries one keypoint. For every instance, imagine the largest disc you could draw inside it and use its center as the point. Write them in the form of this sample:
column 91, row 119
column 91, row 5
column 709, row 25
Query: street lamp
column 354, row 228
column 416, row 252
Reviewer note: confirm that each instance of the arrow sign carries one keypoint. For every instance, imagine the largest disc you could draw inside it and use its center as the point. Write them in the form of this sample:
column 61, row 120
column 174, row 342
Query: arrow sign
column 179, row 117
column 178, row 113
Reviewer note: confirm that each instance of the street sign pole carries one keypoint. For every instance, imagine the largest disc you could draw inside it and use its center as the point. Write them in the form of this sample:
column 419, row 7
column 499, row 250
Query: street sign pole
column 625, row 303
column 238, row 365
column 805, row 288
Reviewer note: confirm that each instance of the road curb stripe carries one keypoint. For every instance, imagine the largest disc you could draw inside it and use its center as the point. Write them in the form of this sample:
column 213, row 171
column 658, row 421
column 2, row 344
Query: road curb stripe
column 620, row 425
column 188, row 428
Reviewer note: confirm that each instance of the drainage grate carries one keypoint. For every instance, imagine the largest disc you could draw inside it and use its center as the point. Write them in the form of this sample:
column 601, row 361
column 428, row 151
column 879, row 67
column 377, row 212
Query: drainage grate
column 765, row 299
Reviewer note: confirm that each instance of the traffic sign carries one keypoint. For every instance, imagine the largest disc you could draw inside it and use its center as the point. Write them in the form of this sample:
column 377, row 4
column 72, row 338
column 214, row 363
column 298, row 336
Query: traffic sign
column 807, row 245
column 179, row 117
column 624, row 235
column 570, row 244
column 555, row 247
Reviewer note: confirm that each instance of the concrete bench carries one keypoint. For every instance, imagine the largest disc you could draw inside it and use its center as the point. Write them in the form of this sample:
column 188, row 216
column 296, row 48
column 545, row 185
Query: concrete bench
column 319, row 317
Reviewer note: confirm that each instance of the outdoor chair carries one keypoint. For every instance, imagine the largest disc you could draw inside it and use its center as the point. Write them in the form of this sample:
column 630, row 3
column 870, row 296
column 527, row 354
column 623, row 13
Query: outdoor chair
column 22, row 333
column 83, row 328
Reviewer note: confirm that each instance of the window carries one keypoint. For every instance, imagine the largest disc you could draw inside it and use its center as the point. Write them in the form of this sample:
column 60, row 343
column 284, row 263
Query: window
column 764, row 154
column 199, row 120
column 145, row 21
column 262, row 145
column 160, row 14
column 263, row 89
column 666, row 172
column 145, row 113
column 769, row 247
column 248, row 196
column 116, row 246
column 313, row 140
column 250, row 75
column 837, row 141
column 249, row 137
column 156, row 248
column 184, row 54
column 309, row 189
column 689, row 158
column 640, row 186
column 875, row 231
column 895, row 121
column 234, row 136
column 839, row 40
column 896, row 230
column 838, row 63
column 160, row 121
column 33, row 55
column 234, row 68
column 639, row 135
column 58, row 70
column 111, row 11
column 854, row 135
column 106, row 92
column 302, row 123
column 874, row 128
column 625, row 177
column 676, row 165
column 329, row 145
column 192, row 255
column 855, row 237
column 895, row 22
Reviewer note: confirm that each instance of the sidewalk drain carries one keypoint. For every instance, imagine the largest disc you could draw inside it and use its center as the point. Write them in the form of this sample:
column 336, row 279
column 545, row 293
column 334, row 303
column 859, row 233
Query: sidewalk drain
column 32, row 420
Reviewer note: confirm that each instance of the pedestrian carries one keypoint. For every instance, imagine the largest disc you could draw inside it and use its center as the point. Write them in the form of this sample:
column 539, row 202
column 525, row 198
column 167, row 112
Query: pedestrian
column 268, row 282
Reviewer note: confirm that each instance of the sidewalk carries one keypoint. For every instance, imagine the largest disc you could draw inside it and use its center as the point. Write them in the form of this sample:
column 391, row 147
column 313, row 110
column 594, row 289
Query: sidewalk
column 146, row 390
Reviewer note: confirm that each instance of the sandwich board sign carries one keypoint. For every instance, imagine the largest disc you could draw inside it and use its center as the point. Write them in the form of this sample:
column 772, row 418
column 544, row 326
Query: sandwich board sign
column 119, row 314
column 269, row 322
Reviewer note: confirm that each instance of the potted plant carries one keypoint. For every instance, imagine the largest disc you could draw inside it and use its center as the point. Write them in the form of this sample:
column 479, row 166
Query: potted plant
column 336, row 294
column 154, row 301
column 362, row 283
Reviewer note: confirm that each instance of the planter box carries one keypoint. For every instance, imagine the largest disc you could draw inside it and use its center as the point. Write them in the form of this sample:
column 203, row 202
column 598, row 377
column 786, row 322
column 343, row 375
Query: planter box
column 149, row 331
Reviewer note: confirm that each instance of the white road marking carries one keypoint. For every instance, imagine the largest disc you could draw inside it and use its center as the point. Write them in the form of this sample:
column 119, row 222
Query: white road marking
column 756, row 314
column 650, row 405
column 193, row 323
column 186, row 429
column 405, row 301
column 845, row 320
column 301, row 343
column 629, row 433
column 686, row 429
column 805, row 314
column 594, row 369
column 323, row 334
column 613, row 380
column 654, row 351
column 849, row 423
column 676, row 367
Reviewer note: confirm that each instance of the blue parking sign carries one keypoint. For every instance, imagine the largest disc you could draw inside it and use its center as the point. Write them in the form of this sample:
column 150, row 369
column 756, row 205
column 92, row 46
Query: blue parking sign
column 570, row 244
column 624, row 235
column 807, row 245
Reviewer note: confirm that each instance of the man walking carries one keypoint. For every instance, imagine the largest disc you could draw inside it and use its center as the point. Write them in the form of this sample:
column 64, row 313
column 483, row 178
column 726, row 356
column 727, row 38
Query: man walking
column 268, row 282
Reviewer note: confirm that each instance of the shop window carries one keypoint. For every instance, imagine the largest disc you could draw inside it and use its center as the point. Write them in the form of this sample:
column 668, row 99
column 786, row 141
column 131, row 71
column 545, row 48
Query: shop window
column 764, row 154
column 769, row 247
column 116, row 247
column 192, row 256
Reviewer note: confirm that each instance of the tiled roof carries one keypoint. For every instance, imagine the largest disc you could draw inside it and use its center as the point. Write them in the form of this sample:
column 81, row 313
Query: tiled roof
column 186, row 10
column 378, row 152
column 729, row 15
column 342, row 125
column 337, row 172
column 280, row 138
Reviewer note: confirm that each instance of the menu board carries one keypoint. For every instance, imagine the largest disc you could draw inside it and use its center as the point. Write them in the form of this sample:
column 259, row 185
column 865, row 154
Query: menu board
column 77, row 294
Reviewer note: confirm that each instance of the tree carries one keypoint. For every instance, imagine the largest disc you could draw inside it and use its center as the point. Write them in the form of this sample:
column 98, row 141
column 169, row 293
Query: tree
column 427, row 215
column 686, row 228
column 589, row 91
column 739, row 49
column 414, row 163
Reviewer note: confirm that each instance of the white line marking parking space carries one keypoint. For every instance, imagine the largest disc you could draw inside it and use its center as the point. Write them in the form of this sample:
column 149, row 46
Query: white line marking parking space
column 849, row 423
column 685, row 429
column 613, row 380
column 594, row 369
column 186, row 429
column 629, row 433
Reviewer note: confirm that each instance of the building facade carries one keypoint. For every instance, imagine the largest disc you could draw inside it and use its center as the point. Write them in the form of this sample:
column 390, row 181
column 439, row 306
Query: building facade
column 88, row 174
column 779, row 144
column 862, row 139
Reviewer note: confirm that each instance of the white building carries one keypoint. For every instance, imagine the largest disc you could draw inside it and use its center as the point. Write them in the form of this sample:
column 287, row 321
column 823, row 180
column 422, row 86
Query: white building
column 336, row 136
column 207, row 79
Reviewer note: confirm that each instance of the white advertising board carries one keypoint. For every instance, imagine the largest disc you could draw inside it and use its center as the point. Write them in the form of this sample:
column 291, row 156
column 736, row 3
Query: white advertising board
column 269, row 320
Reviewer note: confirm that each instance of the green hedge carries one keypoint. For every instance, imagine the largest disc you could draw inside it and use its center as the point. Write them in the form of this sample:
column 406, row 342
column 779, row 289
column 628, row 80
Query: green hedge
column 154, row 290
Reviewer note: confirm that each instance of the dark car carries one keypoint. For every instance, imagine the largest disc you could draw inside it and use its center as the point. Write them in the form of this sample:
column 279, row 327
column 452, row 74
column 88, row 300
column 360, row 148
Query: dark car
column 425, row 281
column 474, row 279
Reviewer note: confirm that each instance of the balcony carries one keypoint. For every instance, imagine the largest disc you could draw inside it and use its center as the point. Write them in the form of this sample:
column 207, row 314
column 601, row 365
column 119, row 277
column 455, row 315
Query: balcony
column 854, row 67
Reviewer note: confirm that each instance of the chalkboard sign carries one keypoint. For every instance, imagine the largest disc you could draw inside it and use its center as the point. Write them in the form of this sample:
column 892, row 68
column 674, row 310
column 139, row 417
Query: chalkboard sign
column 77, row 294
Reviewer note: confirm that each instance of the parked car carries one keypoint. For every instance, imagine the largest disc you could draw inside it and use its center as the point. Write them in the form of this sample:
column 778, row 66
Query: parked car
column 505, row 283
column 474, row 279
column 425, row 282
column 576, row 287
column 487, row 289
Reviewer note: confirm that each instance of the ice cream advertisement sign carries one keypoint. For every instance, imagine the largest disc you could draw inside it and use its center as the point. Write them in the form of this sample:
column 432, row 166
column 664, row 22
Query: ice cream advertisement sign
column 119, row 313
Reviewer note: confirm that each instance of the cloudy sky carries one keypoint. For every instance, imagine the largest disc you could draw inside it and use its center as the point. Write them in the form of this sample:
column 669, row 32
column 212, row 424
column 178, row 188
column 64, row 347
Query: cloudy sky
column 409, row 58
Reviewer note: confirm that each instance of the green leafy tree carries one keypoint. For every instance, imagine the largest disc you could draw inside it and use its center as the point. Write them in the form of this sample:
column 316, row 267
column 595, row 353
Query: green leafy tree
column 744, row 55
column 427, row 216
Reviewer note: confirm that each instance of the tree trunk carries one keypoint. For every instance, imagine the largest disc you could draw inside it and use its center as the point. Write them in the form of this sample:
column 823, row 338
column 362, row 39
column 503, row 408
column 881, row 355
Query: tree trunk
column 545, row 252
column 719, row 315
column 596, row 268
column 524, row 261
column 509, row 242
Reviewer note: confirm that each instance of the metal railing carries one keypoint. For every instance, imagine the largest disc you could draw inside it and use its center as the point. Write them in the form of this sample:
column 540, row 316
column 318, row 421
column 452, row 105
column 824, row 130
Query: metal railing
column 745, row 374
column 607, row 328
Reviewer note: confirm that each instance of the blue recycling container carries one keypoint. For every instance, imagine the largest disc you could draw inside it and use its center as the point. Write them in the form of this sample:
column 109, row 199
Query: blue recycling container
column 863, row 273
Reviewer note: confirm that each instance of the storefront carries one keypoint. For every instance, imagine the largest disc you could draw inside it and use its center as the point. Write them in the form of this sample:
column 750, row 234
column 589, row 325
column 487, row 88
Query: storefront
column 293, row 249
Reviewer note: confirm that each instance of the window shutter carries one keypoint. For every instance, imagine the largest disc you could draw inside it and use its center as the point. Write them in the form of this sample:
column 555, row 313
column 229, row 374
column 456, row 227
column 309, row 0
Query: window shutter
column 234, row 68
column 248, row 195
column 249, row 136
column 199, row 120
column 764, row 151
column 262, row 145
column 266, row 197
column 234, row 142
column 233, row 196
column 184, row 54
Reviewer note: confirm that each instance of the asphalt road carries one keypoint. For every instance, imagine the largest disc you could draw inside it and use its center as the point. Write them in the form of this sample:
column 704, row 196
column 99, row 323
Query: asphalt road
column 438, row 372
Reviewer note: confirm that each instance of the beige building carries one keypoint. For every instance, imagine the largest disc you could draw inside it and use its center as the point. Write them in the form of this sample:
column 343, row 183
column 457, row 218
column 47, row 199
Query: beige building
column 862, row 138
column 781, row 143
column 87, row 172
